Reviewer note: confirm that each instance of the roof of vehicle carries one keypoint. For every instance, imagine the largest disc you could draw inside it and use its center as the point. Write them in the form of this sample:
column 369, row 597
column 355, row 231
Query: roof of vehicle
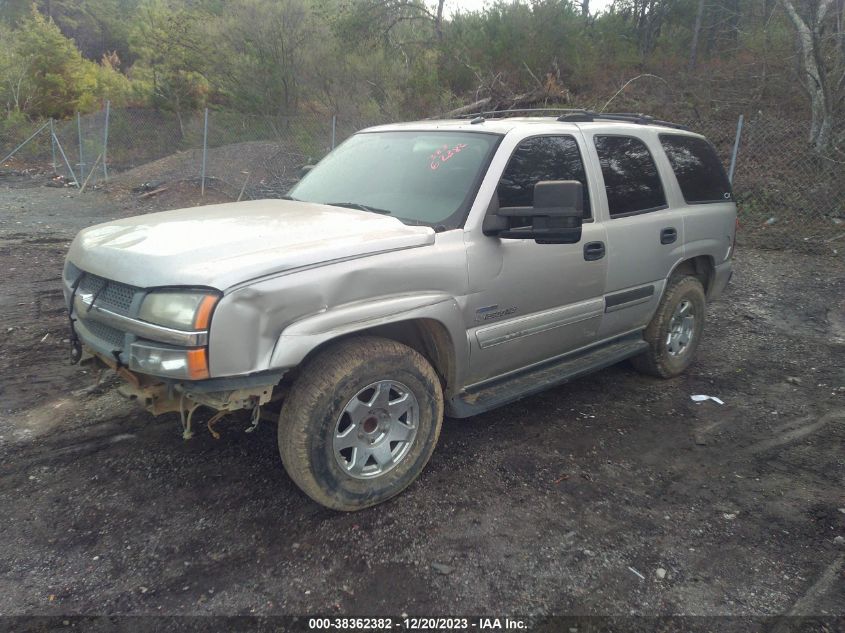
column 504, row 121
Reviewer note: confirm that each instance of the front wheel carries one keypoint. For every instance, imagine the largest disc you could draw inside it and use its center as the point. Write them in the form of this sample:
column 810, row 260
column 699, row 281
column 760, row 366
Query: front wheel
column 361, row 422
column 675, row 330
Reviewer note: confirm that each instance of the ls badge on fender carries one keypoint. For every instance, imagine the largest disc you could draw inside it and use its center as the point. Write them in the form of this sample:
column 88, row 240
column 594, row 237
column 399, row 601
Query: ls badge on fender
column 492, row 312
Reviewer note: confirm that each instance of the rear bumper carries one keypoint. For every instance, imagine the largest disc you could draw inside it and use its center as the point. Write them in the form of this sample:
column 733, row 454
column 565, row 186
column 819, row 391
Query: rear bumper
column 721, row 277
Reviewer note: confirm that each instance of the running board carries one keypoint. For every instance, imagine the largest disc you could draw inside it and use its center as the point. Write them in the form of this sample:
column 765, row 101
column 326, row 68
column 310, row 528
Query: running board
column 531, row 381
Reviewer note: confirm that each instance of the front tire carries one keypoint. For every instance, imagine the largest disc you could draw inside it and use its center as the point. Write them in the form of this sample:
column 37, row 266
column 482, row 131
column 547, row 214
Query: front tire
column 675, row 330
column 361, row 422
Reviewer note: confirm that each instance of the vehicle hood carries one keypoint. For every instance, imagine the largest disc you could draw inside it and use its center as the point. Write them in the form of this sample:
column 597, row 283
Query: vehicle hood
column 226, row 244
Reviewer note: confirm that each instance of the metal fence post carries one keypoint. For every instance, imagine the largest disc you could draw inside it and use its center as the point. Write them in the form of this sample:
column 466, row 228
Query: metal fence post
column 204, row 152
column 79, row 133
column 735, row 149
column 67, row 162
column 106, row 141
column 334, row 129
column 53, row 145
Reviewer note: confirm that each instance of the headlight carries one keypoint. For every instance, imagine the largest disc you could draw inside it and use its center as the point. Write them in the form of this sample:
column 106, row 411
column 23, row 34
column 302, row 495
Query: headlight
column 178, row 310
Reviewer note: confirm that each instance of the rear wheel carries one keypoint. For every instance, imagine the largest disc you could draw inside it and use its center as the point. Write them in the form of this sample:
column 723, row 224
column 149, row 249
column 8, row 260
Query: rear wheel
column 675, row 330
column 361, row 422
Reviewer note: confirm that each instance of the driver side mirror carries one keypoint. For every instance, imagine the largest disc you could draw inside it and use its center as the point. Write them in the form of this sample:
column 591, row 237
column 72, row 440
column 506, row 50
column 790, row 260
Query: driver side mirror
column 554, row 218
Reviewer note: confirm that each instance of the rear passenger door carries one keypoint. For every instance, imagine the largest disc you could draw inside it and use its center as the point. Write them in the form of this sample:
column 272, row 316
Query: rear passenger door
column 708, row 207
column 645, row 238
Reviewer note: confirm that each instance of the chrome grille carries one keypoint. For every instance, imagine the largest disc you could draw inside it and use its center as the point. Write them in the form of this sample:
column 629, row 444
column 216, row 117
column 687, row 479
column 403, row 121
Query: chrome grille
column 117, row 296
column 92, row 283
column 110, row 294
column 105, row 333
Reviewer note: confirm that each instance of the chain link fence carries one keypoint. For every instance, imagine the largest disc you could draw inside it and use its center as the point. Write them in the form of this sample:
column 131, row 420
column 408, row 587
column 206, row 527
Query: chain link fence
column 25, row 144
column 789, row 196
column 238, row 155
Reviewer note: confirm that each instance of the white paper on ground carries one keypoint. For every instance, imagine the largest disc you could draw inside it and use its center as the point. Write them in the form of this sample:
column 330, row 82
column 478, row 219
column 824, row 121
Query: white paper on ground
column 702, row 398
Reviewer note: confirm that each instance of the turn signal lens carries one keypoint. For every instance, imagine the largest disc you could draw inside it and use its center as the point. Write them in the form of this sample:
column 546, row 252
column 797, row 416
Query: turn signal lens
column 203, row 316
column 197, row 364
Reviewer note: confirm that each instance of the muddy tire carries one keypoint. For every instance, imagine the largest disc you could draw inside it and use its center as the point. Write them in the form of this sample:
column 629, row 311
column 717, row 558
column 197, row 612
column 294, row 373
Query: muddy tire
column 675, row 330
column 360, row 423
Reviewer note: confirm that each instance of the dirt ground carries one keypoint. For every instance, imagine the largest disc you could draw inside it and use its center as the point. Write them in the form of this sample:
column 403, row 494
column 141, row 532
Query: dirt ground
column 566, row 503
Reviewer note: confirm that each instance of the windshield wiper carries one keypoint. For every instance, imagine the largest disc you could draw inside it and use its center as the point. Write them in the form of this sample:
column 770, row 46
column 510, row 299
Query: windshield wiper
column 359, row 206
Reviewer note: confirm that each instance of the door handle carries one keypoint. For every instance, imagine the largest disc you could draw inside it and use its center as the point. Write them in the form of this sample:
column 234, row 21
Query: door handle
column 593, row 251
column 668, row 235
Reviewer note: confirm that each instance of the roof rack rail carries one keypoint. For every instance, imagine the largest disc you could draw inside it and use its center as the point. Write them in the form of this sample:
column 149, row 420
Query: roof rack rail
column 574, row 115
column 530, row 111
column 627, row 117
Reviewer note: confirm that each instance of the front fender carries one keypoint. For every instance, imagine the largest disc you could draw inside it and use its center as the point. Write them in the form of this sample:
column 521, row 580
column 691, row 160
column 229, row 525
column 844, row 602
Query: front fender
column 303, row 336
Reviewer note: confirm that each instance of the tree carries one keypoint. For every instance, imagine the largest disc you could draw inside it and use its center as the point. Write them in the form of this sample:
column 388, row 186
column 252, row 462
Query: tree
column 13, row 11
column 696, row 33
column 43, row 73
column 268, row 46
column 400, row 24
column 15, row 87
column 173, row 51
column 822, row 65
column 56, row 72
column 648, row 18
column 410, row 35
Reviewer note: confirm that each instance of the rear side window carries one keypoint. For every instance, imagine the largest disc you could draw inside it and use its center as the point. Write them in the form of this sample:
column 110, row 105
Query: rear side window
column 697, row 167
column 630, row 176
column 541, row 158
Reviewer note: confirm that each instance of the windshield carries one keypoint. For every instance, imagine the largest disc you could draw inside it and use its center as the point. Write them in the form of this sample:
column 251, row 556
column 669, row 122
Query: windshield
column 419, row 177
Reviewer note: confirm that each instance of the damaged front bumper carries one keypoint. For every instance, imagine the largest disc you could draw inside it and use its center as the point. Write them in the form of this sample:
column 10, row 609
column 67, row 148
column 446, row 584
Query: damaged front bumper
column 165, row 369
column 159, row 395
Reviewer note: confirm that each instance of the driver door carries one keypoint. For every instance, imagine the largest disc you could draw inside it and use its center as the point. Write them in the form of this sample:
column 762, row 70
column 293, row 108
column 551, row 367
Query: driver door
column 533, row 301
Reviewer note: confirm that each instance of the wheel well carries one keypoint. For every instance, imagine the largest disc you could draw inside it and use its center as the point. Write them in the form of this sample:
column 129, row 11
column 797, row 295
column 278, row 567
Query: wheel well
column 701, row 267
column 427, row 336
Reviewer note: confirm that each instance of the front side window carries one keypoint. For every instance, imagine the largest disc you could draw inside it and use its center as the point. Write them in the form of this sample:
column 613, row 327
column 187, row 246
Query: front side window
column 427, row 178
column 631, row 179
column 537, row 159
column 699, row 171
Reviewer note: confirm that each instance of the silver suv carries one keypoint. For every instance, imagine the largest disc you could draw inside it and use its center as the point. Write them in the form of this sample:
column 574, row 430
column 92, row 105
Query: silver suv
column 420, row 270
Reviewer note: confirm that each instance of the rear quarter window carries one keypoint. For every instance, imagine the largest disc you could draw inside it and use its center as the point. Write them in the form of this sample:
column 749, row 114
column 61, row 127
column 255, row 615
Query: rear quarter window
column 699, row 171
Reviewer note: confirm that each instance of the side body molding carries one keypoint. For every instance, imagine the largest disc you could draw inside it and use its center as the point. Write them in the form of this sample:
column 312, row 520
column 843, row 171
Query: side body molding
column 302, row 336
